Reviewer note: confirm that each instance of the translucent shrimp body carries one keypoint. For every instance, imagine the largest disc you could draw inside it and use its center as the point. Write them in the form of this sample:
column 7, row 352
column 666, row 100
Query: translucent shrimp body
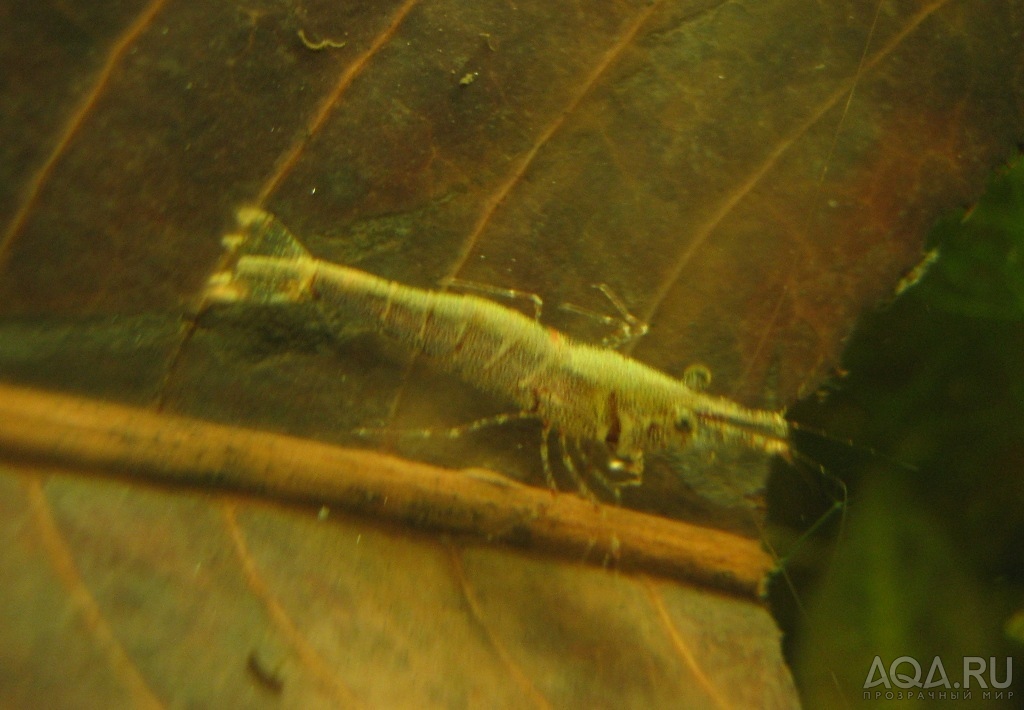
column 583, row 392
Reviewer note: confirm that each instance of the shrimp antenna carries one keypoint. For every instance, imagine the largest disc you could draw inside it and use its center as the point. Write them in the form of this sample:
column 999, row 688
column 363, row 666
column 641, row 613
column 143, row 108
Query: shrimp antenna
column 850, row 443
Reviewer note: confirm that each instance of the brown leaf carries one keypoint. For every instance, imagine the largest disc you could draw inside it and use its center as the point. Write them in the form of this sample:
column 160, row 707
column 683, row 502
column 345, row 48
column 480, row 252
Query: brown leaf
column 746, row 176
column 708, row 160
column 346, row 611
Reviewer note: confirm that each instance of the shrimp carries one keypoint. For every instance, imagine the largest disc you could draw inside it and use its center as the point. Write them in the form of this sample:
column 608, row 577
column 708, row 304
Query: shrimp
column 583, row 392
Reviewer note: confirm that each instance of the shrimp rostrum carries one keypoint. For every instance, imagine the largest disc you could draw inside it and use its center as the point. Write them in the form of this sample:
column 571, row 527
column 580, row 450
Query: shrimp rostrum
column 581, row 393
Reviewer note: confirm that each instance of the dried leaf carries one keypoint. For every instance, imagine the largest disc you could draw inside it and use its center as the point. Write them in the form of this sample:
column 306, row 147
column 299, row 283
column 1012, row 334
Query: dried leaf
column 746, row 176
column 150, row 584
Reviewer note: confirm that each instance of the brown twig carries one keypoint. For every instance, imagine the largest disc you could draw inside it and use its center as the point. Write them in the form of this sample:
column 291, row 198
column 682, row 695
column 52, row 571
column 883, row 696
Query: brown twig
column 89, row 435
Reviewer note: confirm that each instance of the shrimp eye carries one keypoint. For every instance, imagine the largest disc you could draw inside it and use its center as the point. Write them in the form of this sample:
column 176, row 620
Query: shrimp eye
column 684, row 425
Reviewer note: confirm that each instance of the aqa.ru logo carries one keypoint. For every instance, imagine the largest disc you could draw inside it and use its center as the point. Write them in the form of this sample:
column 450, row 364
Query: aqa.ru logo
column 905, row 673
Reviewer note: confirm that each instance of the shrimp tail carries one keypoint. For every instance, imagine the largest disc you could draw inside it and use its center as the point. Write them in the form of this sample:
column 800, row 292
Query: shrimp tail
column 260, row 237
column 264, row 235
